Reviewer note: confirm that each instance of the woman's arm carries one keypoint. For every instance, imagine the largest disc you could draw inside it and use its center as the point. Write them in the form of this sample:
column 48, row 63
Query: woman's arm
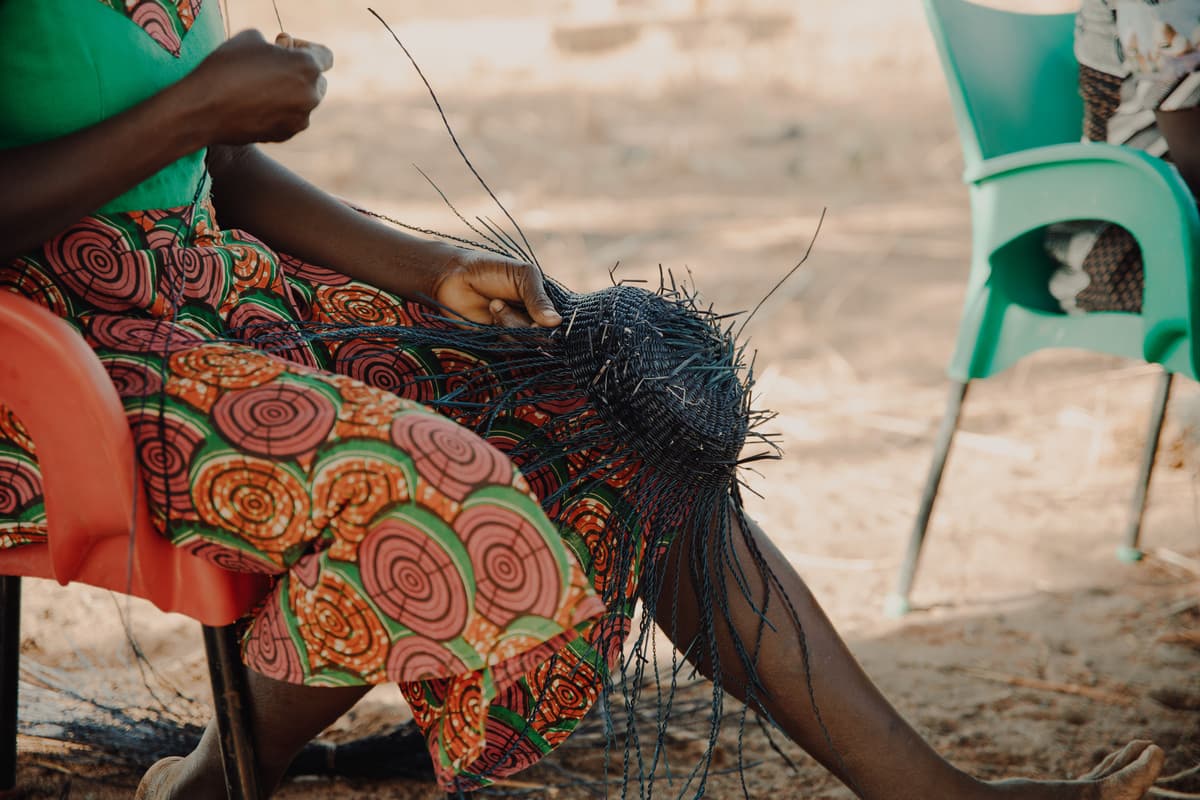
column 253, row 192
column 47, row 186
column 247, row 90
column 257, row 194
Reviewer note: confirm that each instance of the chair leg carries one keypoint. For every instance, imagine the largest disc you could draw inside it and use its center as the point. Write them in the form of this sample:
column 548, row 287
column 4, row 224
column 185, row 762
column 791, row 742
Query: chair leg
column 1130, row 550
column 231, row 699
column 897, row 604
column 10, row 658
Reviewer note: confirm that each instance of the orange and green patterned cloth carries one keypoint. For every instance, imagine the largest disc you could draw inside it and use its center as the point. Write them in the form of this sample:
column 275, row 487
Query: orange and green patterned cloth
column 405, row 547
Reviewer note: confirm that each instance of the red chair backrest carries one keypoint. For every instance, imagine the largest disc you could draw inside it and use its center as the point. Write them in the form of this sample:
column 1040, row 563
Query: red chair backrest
column 94, row 498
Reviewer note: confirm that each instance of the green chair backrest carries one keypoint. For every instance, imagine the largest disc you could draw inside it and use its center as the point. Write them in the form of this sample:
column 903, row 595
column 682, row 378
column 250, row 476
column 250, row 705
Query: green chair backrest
column 1013, row 78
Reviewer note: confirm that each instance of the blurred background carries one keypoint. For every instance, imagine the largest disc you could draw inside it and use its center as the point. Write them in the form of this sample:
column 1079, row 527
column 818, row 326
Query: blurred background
column 708, row 136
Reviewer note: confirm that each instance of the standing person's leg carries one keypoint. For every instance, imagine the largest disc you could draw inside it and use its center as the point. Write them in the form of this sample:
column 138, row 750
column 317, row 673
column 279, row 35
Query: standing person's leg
column 874, row 750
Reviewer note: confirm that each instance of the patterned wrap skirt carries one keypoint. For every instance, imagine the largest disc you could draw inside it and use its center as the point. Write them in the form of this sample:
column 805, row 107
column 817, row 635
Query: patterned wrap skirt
column 404, row 546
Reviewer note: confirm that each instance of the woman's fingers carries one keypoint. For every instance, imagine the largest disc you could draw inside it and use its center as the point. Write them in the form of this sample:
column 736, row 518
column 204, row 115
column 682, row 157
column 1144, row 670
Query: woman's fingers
column 517, row 283
column 508, row 316
column 321, row 54
column 509, row 292
column 533, row 294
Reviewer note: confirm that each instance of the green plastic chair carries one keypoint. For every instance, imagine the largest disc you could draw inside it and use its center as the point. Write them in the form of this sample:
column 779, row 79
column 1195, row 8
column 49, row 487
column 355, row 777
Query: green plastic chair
column 1013, row 82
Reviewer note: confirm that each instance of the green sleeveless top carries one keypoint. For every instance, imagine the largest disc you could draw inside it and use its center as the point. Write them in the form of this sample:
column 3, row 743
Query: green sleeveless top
column 69, row 64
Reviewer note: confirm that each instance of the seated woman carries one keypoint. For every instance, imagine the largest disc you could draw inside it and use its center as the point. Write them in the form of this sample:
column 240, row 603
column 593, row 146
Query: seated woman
column 1139, row 74
column 405, row 547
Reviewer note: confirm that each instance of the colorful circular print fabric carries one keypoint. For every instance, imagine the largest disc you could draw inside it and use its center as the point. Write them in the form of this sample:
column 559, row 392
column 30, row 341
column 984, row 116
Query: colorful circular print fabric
column 405, row 546
column 166, row 21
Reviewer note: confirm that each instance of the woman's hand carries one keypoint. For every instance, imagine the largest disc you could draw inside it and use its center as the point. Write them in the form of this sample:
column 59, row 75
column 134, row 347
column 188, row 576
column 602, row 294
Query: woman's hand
column 493, row 290
column 247, row 90
column 291, row 215
column 252, row 91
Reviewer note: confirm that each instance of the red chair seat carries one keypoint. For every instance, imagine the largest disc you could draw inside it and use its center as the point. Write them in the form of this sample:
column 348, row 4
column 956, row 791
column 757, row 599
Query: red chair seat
column 58, row 388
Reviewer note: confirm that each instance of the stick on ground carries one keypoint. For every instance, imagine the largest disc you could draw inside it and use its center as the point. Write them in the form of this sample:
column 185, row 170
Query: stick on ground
column 1099, row 695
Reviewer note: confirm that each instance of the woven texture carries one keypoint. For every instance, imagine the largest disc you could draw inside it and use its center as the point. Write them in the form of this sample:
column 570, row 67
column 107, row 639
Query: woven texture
column 1114, row 269
column 664, row 378
column 1101, row 94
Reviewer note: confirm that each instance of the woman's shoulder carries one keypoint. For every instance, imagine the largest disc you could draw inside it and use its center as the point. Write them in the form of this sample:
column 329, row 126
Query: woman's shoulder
column 68, row 64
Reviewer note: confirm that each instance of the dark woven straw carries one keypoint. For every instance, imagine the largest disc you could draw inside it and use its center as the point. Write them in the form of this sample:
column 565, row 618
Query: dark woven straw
column 664, row 376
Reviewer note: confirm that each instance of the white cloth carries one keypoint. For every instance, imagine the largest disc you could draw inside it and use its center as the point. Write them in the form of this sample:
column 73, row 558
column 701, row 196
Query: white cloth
column 1154, row 46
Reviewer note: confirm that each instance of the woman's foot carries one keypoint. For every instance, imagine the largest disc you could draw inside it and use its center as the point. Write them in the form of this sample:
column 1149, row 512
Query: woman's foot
column 1124, row 775
column 1129, row 773
column 283, row 718
column 159, row 777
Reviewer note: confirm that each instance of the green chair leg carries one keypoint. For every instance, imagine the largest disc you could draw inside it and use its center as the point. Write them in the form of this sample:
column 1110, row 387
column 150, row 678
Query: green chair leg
column 1130, row 551
column 897, row 604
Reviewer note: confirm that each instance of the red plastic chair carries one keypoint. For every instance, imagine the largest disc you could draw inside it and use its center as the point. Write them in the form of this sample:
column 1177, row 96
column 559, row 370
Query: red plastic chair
column 94, row 503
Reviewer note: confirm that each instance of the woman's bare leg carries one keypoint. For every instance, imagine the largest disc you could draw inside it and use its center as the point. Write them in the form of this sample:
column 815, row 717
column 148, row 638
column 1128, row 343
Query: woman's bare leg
column 877, row 752
column 874, row 750
column 284, row 718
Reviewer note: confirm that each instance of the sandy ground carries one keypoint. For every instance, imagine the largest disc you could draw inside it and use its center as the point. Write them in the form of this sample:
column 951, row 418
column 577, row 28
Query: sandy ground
column 710, row 141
